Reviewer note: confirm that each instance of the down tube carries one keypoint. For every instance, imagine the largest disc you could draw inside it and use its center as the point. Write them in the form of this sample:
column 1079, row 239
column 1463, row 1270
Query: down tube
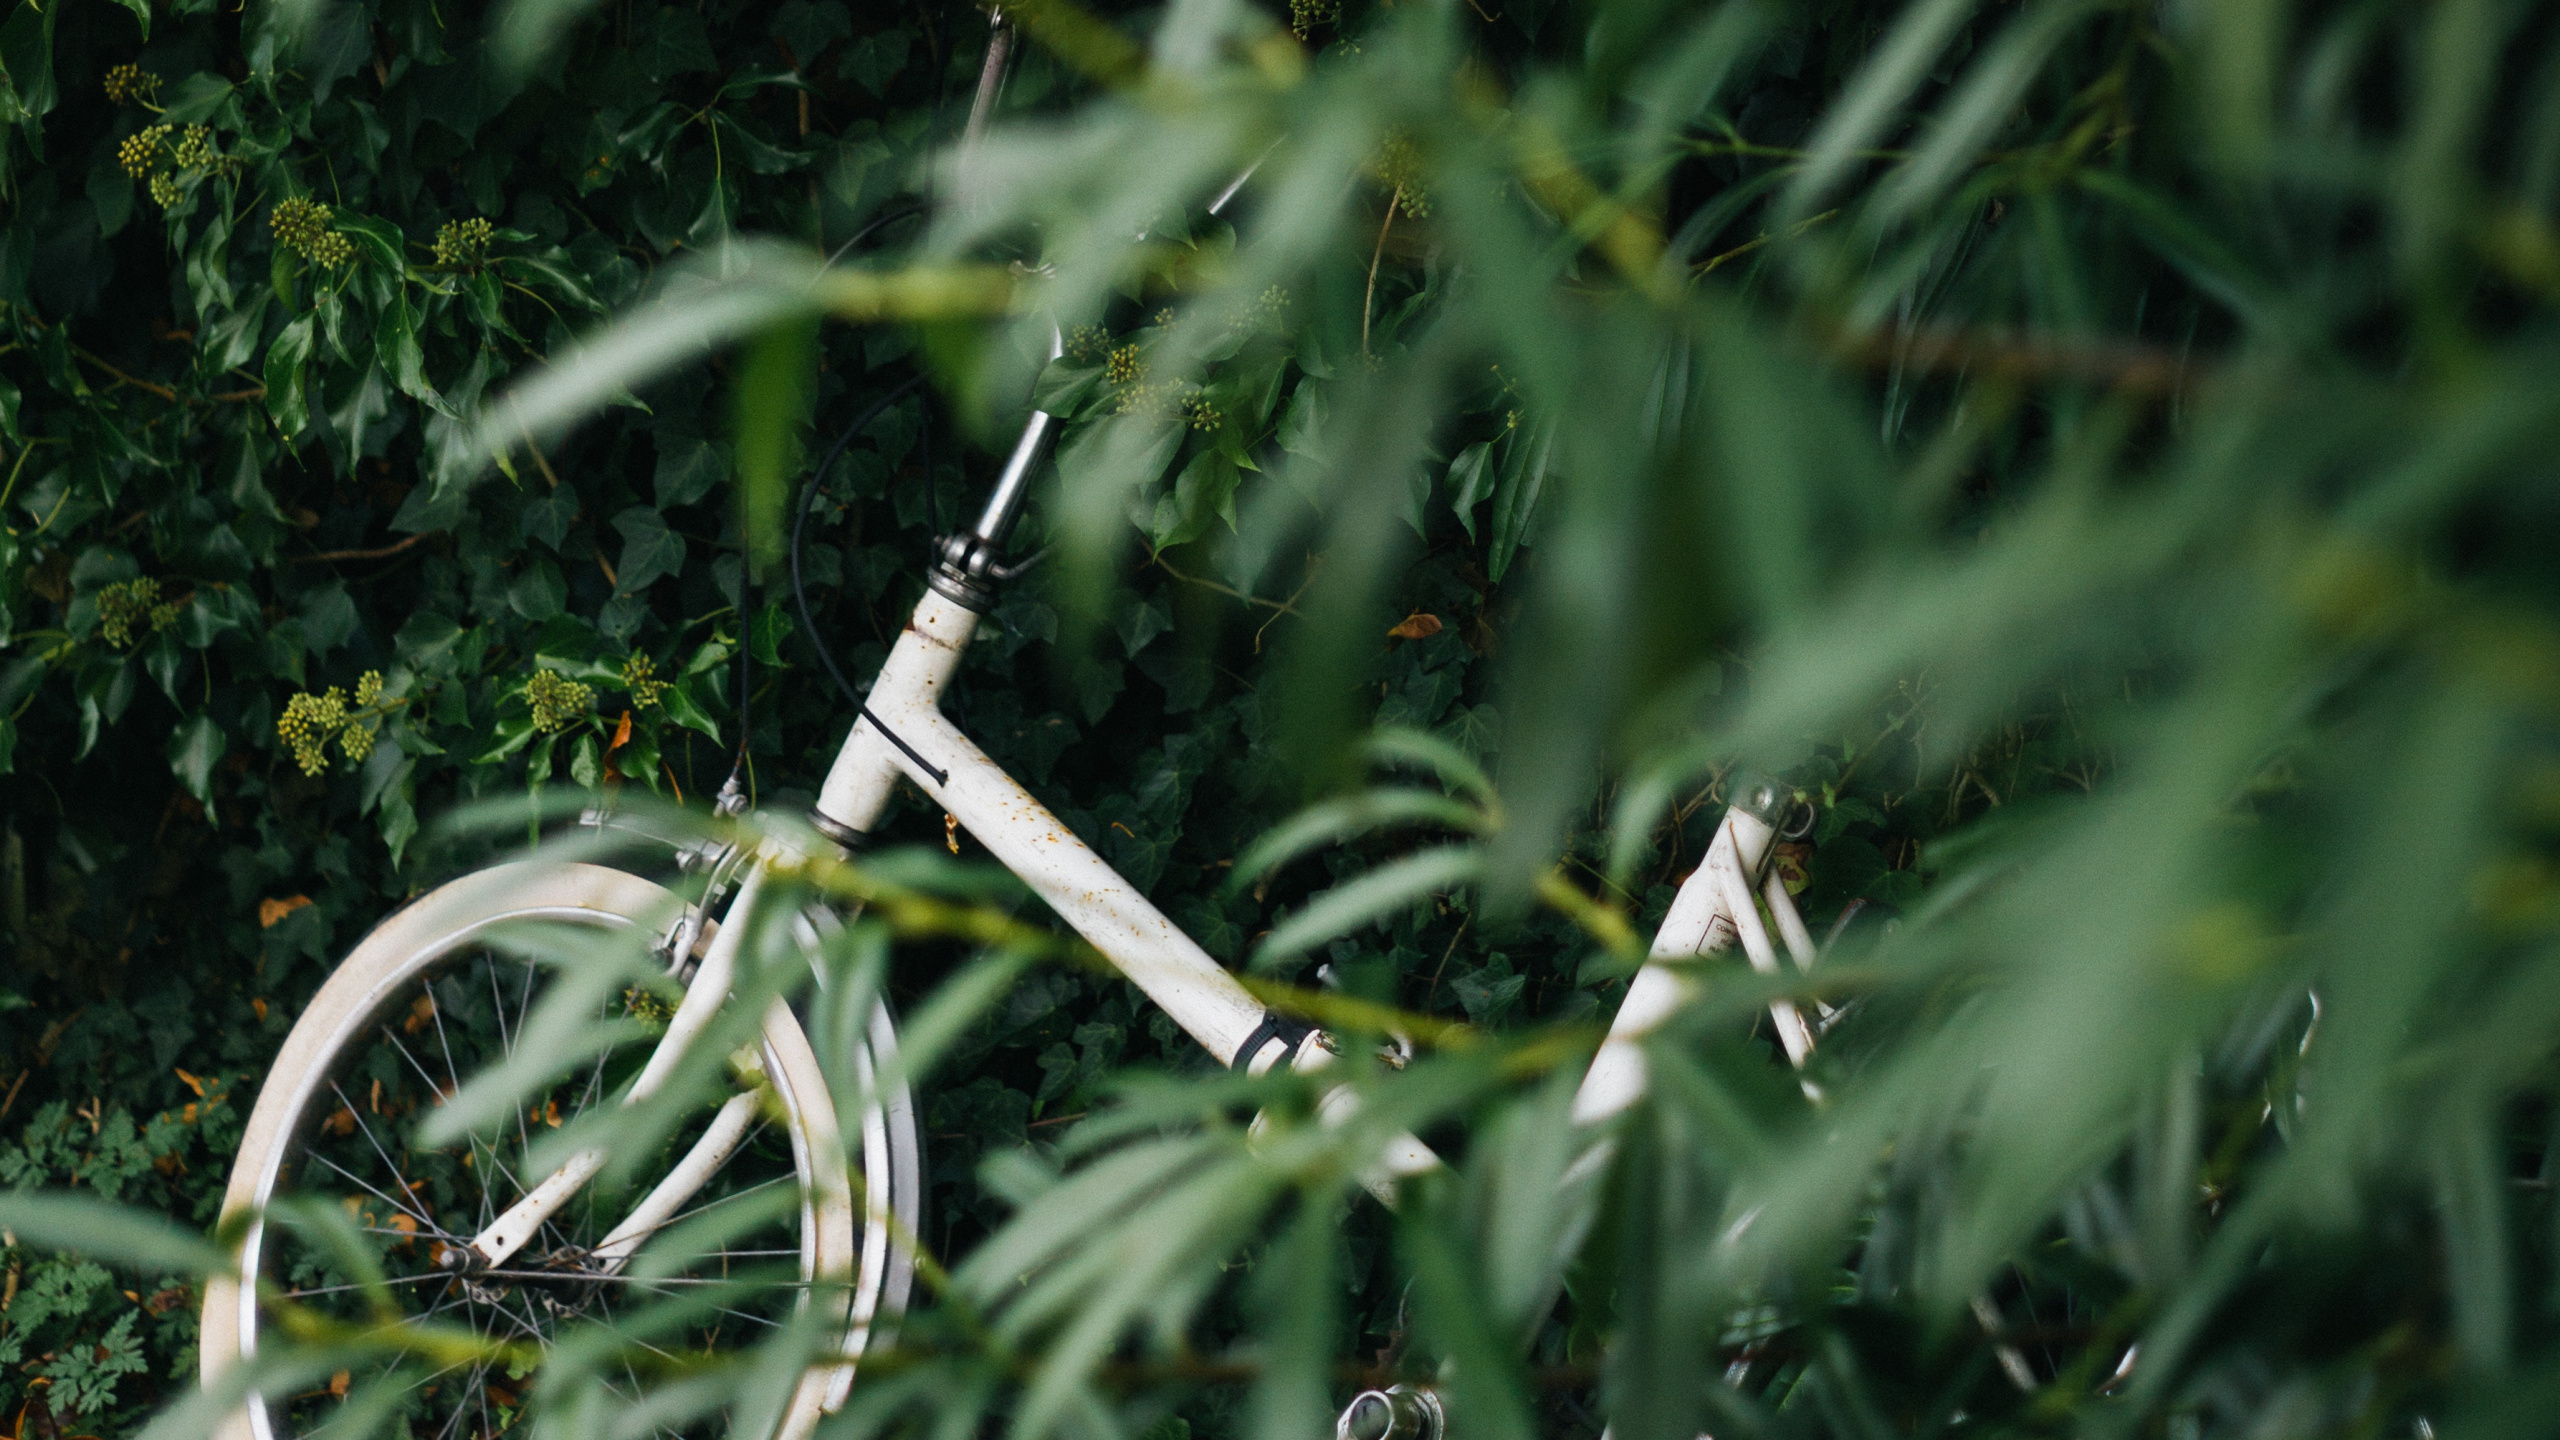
column 1086, row 892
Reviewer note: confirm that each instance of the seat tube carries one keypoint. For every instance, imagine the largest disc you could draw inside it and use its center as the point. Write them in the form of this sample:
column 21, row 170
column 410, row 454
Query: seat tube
column 920, row 666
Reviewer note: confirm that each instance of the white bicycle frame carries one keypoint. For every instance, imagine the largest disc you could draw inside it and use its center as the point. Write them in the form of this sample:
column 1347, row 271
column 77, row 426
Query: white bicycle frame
column 901, row 732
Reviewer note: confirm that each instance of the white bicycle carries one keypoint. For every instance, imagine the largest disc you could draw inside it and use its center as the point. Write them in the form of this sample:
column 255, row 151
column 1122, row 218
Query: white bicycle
column 816, row 1212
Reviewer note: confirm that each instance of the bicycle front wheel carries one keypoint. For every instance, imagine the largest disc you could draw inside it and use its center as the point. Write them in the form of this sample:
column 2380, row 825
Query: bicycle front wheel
column 420, row 1006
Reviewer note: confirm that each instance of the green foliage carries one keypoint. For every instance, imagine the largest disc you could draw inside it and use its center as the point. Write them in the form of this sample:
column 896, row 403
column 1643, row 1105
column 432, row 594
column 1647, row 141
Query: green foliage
column 2093, row 452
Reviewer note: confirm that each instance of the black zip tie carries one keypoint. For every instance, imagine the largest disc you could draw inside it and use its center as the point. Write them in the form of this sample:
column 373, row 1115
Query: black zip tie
column 1274, row 1026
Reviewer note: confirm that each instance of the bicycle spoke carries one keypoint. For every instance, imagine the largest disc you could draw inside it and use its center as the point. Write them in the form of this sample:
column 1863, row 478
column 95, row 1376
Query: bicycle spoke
column 453, row 1074
column 383, row 1155
column 430, row 1226
column 418, row 1279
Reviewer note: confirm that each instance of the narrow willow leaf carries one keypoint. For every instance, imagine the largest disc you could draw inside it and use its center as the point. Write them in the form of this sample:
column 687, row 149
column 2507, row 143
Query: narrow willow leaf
column 1867, row 111
column 1347, row 907
column 770, row 409
column 117, row 1234
column 1333, row 821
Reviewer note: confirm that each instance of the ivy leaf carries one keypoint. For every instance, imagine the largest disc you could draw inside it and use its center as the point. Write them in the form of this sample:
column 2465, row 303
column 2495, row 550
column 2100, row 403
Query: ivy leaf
column 561, row 280
column 1204, row 492
column 649, row 549
column 809, row 26
column 537, row 593
column 683, row 710
column 762, row 156
column 675, row 44
column 1515, row 495
column 26, row 48
column 286, row 359
column 395, row 339
column 1468, row 483
column 688, row 468
column 194, row 99
column 514, row 732
column 195, row 747
column 875, row 60
column 586, row 766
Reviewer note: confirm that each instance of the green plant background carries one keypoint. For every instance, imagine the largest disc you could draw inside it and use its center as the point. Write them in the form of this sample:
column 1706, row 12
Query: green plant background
column 2112, row 486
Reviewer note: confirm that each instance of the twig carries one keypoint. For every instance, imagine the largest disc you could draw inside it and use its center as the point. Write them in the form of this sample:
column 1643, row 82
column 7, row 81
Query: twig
column 384, row 553
column 163, row 391
column 1287, row 607
column 2015, row 355
column 1369, row 296
column 1283, row 606
column 538, row 460
column 1757, row 241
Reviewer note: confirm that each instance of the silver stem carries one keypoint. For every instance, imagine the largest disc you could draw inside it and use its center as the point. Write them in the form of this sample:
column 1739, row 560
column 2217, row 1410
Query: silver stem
column 997, row 518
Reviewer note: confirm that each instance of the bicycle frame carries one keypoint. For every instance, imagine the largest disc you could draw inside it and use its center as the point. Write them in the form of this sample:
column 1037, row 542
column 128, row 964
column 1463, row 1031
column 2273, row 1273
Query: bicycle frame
column 901, row 732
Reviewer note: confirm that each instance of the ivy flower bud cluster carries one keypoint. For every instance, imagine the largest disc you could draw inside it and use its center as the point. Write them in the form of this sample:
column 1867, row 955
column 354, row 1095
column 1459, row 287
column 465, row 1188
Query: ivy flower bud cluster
column 558, row 702
column 1086, row 341
column 640, row 677
column 194, row 149
column 1398, row 166
column 301, row 225
column 1124, row 367
column 146, row 152
column 130, row 606
column 140, row 152
column 1306, row 15
column 310, row 722
column 464, row 244
column 131, row 85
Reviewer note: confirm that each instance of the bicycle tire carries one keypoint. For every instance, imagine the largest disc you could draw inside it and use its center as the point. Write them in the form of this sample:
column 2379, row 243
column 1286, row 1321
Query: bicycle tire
column 415, row 952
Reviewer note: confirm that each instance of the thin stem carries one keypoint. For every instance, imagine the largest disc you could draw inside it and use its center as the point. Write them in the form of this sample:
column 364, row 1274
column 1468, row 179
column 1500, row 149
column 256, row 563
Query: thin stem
column 1368, row 298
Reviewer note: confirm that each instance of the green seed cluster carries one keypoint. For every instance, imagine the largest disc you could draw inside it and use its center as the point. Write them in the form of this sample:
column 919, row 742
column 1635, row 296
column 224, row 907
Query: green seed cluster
column 129, row 607
column 1265, row 313
column 140, row 152
column 645, row 1007
column 302, row 226
column 1205, row 416
column 145, row 154
column 131, row 85
column 1306, row 15
column 640, row 677
column 464, row 244
column 1398, row 166
column 194, row 149
column 308, row 723
column 558, row 701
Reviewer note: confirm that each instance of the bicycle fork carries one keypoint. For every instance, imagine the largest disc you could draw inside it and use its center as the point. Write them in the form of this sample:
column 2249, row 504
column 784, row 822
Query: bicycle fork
column 1719, row 904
